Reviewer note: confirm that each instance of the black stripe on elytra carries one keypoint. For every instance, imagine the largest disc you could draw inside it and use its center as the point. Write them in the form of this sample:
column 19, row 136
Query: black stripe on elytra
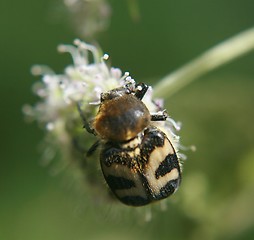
column 169, row 188
column 119, row 182
column 152, row 139
column 111, row 153
column 169, row 163
column 135, row 200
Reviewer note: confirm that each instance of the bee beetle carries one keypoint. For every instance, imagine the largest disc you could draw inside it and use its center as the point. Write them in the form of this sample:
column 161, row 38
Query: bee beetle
column 138, row 161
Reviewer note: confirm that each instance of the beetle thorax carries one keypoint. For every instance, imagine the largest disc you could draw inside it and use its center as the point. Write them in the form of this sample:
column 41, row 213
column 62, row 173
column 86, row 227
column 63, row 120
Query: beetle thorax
column 121, row 118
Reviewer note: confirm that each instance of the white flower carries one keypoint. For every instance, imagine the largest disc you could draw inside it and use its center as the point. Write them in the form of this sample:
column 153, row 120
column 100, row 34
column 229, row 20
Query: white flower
column 89, row 17
column 82, row 83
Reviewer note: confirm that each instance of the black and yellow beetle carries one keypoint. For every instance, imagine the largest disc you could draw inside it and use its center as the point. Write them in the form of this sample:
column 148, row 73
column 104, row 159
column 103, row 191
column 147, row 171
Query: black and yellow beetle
column 138, row 161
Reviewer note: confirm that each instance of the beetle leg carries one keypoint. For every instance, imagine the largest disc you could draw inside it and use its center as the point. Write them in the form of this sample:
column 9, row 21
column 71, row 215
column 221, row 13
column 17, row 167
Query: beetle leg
column 161, row 116
column 141, row 90
column 86, row 124
column 93, row 148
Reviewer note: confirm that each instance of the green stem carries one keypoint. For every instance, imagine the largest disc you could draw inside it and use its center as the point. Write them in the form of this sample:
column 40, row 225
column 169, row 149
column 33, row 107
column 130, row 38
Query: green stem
column 215, row 57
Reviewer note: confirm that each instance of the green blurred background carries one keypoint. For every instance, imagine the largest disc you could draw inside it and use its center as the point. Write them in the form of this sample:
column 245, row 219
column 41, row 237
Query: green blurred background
column 216, row 198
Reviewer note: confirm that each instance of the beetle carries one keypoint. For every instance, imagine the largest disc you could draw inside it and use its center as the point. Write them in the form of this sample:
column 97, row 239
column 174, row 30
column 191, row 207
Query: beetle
column 138, row 161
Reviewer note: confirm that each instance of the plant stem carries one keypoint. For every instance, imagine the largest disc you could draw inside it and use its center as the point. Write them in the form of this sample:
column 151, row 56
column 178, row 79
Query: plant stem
column 215, row 57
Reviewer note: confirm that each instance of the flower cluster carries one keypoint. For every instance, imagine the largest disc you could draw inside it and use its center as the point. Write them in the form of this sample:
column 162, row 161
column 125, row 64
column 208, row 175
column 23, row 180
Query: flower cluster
column 81, row 83
column 88, row 17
